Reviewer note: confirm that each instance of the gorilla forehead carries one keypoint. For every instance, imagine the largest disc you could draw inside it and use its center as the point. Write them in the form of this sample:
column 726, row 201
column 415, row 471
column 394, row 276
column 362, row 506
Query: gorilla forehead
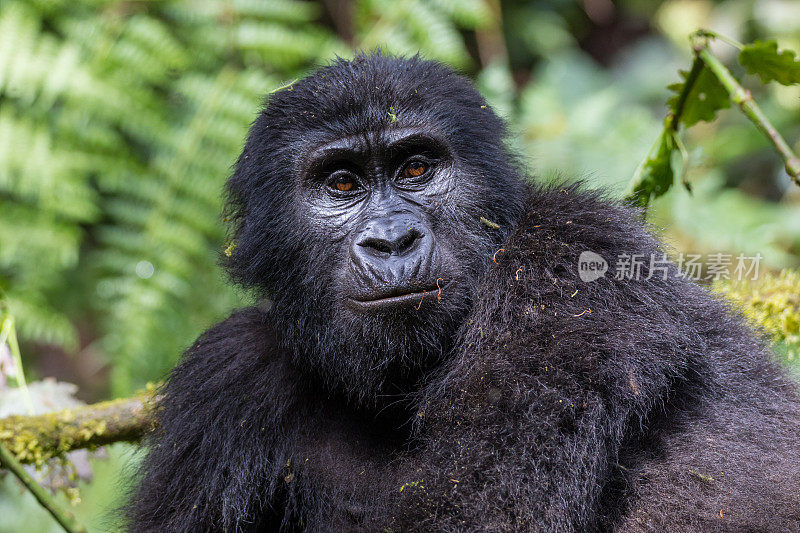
column 377, row 143
column 347, row 98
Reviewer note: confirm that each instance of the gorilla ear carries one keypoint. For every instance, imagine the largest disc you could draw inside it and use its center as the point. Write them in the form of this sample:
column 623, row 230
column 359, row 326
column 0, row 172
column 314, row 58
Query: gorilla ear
column 249, row 173
column 252, row 206
column 235, row 213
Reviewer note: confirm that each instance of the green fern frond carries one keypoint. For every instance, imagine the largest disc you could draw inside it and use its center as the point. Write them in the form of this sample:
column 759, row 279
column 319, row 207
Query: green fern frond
column 37, row 320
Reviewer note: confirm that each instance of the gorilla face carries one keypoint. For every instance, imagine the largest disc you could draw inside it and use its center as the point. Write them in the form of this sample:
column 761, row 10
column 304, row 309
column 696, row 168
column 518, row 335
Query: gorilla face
column 379, row 195
column 356, row 207
column 394, row 252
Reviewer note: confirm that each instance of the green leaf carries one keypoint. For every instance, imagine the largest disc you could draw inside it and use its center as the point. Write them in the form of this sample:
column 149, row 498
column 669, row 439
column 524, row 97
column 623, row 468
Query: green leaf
column 705, row 98
column 763, row 59
column 656, row 175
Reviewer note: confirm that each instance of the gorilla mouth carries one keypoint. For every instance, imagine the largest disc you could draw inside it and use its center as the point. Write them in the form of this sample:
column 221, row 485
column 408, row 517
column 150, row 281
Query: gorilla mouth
column 394, row 297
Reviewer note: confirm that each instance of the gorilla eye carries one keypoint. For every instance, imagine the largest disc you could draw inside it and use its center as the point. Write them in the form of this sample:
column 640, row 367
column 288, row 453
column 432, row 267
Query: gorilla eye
column 415, row 169
column 343, row 183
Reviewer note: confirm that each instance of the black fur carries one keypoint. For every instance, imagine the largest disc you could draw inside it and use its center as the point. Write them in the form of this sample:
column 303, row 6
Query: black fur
column 526, row 400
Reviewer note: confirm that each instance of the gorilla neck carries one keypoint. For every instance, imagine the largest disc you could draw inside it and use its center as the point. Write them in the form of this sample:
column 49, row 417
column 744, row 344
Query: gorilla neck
column 370, row 363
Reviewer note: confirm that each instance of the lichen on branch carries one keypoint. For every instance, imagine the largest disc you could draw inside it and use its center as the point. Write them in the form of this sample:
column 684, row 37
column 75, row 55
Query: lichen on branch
column 35, row 439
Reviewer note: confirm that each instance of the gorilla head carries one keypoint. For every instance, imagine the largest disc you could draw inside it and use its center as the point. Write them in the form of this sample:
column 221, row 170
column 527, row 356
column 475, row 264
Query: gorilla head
column 356, row 206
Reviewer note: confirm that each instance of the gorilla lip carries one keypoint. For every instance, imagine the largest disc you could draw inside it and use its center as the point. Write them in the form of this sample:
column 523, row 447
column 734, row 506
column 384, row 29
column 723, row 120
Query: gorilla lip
column 392, row 298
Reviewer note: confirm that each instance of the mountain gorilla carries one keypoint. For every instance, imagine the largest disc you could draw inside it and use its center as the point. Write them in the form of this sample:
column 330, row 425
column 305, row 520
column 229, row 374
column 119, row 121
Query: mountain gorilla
column 432, row 361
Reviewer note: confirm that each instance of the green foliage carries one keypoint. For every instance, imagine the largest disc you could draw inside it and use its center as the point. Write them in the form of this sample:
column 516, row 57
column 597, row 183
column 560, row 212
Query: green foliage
column 656, row 173
column 576, row 120
column 411, row 26
column 697, row 98
column 119, row 123
column 704, row 97
column 763, row 59
column 715, row 217
column 707, row 88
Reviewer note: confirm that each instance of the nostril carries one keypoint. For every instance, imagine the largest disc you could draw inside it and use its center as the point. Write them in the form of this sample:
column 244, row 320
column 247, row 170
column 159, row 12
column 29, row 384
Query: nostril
column 379, row 245
column 407, row 241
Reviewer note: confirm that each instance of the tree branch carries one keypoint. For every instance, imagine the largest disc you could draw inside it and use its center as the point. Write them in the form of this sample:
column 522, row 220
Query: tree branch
column 35, row 439
column 62, row 516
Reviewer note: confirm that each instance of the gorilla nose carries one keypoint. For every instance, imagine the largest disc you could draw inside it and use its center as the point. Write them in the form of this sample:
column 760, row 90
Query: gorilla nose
column 393, row 251
column 391, row 242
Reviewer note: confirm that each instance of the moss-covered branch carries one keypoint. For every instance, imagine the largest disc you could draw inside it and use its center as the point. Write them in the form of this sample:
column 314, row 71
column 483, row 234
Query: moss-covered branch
column 35, row 439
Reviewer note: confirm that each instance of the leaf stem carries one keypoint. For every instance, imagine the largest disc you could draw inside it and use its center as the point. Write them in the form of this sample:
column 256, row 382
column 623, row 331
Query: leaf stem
column 673, row 120
column 715, row 35
column 684, row 160
column 62, row 516
column 671, row 124
column 8, row 334
column 631, row 191
column 742, row 98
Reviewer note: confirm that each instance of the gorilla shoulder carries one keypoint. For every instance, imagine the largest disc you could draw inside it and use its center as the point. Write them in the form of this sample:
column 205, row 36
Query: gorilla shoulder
column 222, row 405
column 240, row 344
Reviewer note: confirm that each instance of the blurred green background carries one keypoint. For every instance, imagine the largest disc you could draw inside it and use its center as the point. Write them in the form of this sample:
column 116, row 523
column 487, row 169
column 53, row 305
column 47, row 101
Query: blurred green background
column 120, row 120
